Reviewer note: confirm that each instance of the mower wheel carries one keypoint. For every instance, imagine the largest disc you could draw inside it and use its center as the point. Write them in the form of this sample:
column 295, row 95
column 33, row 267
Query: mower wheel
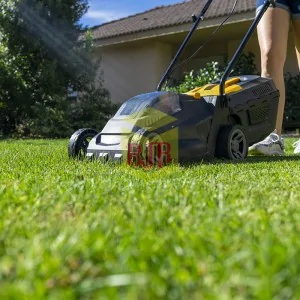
column 79, row 142
column 232, row 143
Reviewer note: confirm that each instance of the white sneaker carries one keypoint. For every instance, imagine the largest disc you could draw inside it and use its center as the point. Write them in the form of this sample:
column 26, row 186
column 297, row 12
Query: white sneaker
column 271, row 145
column 296, row 145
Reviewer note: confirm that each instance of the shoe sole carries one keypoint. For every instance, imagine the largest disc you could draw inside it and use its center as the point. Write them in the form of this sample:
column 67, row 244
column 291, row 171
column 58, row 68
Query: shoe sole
column 261, row 153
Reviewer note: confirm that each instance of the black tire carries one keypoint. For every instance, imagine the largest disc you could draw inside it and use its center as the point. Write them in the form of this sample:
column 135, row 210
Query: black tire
column 79, row 142
column 232, row 143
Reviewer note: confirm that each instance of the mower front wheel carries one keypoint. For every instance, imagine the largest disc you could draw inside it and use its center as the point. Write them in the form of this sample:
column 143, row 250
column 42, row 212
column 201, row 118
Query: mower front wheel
column 79, row 142
column 232, row 143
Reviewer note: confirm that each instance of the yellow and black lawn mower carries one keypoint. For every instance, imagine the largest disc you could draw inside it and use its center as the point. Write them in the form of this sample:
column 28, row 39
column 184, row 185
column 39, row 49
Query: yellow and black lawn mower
column 220, row 119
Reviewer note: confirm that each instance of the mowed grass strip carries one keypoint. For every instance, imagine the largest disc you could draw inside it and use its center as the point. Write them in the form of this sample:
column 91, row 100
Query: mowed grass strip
column 85, row 230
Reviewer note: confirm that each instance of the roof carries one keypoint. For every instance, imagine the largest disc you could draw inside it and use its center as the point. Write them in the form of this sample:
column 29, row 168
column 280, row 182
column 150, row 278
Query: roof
column 170, row 15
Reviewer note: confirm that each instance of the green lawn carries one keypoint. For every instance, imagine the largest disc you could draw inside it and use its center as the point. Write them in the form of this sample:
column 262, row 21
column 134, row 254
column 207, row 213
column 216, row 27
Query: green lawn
column 82, row 230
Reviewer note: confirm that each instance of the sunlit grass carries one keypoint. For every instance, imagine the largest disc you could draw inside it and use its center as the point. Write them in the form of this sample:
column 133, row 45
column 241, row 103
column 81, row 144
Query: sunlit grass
column 71, row 229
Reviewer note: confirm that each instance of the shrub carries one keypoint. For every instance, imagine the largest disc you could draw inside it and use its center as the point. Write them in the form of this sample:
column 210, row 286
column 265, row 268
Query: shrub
column 214, row 71
column 245, row 65
column 292, row 104
column 211, row 72
column 92, row 109
column 46, row 120
column 61, row 116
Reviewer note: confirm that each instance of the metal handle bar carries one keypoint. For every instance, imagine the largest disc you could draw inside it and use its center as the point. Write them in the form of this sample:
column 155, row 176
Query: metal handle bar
column 244, row 43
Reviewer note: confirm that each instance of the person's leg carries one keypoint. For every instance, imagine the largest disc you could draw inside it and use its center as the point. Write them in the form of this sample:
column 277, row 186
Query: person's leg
column 272, row 33
column 272, row 37
column 296, row 29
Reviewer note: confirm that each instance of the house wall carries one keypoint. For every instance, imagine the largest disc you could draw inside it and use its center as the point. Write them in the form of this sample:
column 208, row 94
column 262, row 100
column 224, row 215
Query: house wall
column 136, row 67
column 133, row 69
column 214, row 51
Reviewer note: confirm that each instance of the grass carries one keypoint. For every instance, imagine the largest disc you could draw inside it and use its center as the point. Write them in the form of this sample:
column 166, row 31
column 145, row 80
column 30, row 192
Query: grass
column 82, row 230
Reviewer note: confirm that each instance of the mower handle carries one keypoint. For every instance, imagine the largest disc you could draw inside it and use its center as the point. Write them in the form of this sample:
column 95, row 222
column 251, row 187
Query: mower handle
column 244, row 43
column 185, row 42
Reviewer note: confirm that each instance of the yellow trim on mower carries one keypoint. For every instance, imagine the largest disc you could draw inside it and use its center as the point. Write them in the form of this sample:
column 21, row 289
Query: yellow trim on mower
column 231, row 86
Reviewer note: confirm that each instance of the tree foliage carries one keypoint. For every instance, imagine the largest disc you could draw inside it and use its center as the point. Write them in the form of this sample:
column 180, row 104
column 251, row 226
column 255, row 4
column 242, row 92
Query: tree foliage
column 44, row 51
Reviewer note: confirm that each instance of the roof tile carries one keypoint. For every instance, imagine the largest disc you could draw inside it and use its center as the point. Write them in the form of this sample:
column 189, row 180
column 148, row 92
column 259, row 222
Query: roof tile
column 170, row 15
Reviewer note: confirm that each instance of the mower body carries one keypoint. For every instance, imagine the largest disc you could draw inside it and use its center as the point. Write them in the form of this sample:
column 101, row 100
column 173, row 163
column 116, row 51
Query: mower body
column 220, row 119
column 190, row 124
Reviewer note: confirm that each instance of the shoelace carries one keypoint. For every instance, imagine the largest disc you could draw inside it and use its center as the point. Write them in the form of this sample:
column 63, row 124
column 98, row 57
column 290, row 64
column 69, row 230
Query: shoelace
column 270, row 139
column 296, row 144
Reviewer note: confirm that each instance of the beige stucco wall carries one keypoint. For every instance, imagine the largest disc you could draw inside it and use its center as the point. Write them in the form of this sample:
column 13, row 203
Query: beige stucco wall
column 136, row 67
column 132, row 69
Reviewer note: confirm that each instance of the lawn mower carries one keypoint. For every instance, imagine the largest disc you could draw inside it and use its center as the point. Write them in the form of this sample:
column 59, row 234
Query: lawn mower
column 218, row 120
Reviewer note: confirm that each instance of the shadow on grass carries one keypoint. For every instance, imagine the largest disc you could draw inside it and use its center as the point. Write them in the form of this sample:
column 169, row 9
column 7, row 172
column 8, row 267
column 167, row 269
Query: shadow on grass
column 259, row 159
column 214, row 162
column 248, row 160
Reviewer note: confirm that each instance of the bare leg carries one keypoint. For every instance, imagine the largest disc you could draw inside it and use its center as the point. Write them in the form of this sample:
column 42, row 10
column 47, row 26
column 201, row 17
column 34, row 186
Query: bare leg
column 273, row 36
column 296, row 27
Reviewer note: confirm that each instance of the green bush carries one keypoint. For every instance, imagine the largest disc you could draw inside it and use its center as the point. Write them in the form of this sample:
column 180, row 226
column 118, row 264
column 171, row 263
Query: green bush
column 292, row 104
column 92, row 109
column 46, row 121
column 60, row 117
column 194, row 79
column 212, row 72
column 244, row 66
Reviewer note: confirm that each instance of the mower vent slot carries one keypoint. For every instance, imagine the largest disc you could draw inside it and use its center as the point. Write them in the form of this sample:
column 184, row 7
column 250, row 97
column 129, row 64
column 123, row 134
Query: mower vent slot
column 261, row 90
column 259, row 114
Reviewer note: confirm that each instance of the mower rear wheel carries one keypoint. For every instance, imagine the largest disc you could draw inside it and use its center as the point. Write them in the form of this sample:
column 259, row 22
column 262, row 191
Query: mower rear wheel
column 232, row 143
column 79, row 142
